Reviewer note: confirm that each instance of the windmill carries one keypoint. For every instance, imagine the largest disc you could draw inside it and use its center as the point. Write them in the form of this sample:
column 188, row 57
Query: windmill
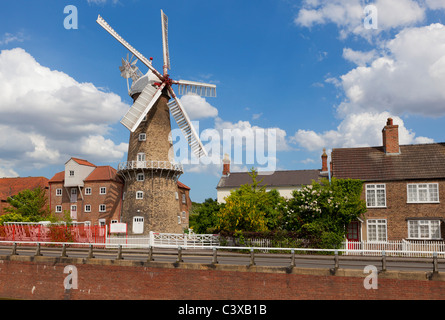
column 152, row 92
column 150, row 191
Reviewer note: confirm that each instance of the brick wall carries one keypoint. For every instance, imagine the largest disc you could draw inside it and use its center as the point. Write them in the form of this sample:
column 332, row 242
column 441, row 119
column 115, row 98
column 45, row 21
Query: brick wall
column 112, row 199
column 22, row 278
column 397, row 209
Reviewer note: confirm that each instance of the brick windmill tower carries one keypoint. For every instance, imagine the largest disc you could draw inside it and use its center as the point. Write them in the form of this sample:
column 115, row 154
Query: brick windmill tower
column 150, row 173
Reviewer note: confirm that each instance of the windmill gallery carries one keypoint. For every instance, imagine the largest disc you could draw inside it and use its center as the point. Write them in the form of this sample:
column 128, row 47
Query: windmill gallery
column 150, row 172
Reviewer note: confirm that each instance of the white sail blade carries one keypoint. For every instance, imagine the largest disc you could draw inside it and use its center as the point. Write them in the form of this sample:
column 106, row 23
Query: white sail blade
column 141, row 107
column 137, row 54
column 164, row 19
column 184, row 123
column 202, row 89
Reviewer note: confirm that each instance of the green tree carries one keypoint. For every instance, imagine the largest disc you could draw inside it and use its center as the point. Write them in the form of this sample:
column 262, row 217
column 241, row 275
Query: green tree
column 203, row 216
column 323, row 210
column 27, row 206
column 251, row 208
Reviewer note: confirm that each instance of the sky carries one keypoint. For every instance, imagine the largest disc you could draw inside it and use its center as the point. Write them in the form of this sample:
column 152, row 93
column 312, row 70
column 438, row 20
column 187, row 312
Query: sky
column 317, row 73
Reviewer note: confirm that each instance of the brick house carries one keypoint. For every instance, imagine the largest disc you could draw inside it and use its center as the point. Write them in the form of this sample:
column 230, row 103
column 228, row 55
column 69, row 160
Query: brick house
column 284, row 181
column 184, row 204
column 90, row 193
column 12, row 186
column 404, row 188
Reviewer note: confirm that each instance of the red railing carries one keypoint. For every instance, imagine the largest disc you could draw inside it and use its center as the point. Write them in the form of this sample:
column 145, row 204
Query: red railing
column 53, row 233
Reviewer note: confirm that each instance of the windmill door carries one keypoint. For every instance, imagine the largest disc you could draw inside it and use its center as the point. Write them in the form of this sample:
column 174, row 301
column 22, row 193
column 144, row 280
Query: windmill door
column 138, row 225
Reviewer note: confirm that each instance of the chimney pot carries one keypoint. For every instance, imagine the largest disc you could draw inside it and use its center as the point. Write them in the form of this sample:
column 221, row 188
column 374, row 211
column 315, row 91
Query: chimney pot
column 324, row 161
column 226, row 165
column 390, row 134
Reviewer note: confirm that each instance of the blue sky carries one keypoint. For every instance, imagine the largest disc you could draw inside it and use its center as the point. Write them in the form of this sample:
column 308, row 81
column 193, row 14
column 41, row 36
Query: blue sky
column 308, row 69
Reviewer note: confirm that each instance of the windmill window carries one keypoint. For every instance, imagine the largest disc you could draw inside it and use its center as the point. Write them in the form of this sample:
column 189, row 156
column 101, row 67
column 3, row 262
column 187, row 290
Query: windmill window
column 142, row 137
column 141, row 156
column 140, row 177
column 139, row 195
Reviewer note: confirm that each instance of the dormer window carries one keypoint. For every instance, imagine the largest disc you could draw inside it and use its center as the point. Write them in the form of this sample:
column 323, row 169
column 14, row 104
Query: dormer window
column 71, row 173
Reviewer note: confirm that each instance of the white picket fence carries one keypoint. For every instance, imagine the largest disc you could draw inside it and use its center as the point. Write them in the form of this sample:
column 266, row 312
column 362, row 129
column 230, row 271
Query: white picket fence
column 165, row 240
column 402, row 248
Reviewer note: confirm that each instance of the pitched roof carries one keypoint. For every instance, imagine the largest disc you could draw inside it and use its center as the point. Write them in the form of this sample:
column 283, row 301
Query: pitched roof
column 420, row 161
column 12, row 186
column 58, row 177
column 103, row 173
column 83, row 162
column 287, row 178
column 181, row 185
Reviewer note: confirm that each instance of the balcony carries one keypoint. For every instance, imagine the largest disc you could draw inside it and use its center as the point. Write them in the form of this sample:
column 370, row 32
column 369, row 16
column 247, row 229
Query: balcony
column 125, row 168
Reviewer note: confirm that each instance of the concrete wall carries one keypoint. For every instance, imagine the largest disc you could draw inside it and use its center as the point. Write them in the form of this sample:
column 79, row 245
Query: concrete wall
column 43, row 278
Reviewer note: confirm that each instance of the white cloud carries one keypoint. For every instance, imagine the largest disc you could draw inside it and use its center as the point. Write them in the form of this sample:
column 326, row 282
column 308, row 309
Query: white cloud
column 197, row 107
column 360, row 58
column 9, row 37
column 46, row 116
column 407, row 77
column 348, row 15
column 356, row 130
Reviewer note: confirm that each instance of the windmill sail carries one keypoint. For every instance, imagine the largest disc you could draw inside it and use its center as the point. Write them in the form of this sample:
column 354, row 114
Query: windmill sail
column 141, row 107
column 202, row 89
column 138, row 55
column 164, row 19
column 183, row 121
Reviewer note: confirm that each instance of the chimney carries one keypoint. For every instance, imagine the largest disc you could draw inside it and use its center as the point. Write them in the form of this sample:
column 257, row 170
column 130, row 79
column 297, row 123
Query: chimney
column 390, row 135
column 324, row 161
column 226, row 165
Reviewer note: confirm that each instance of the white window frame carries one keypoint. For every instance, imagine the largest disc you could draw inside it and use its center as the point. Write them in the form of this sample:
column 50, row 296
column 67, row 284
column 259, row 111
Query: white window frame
column 103, row 190
column 372, row 189
column 142, row 137
column 424, row 229
column 184, row 198
column 141, row 157
column 88, row 191
column 58, row 192
column 139, row 195
column 415, row 191
column 88, row 208
column 58, row 208
column 380, row 235
column 102, row 208
column 71, row 173
column 140, row 176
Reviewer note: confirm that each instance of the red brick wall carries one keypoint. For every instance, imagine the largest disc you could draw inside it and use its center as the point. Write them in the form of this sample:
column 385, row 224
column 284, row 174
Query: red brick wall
column 397, row 209
column 43, row 279
column 112, row 199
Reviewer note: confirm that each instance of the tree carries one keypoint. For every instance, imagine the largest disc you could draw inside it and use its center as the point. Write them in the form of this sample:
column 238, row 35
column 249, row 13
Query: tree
column 203, row 217
column 27, row 206
column 251, row 208
column 323, row 210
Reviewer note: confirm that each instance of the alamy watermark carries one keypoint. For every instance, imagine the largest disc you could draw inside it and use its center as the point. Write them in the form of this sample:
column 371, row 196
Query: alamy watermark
column 371, row 17
column 248, row 146
column 70, row 281
column 371, row 281
column 71, row 21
